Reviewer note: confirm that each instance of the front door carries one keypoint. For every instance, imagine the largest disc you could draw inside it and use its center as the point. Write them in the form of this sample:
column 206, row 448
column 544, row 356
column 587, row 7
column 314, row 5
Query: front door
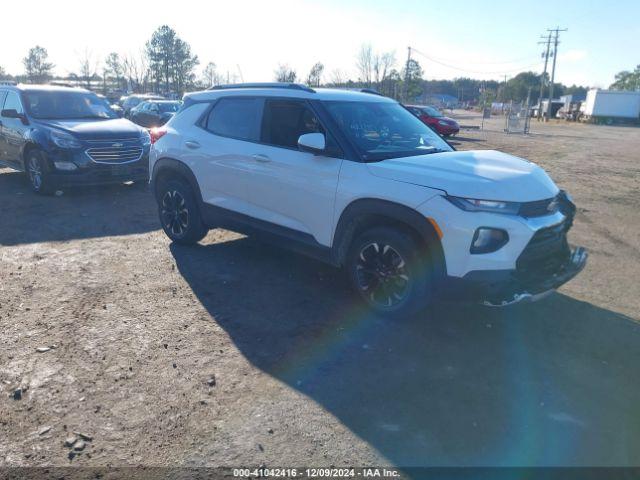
column 286, row 186
column 12, row 131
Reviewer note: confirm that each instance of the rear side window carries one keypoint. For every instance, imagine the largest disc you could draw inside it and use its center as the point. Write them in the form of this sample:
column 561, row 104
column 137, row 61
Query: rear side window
column 235, row 118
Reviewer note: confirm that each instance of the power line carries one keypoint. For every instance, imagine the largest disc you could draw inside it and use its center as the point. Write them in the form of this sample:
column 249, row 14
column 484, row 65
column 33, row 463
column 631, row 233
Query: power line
column 500, row 72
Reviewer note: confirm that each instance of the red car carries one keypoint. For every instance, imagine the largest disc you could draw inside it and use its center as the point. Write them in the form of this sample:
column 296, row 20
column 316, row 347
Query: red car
column 434, row 118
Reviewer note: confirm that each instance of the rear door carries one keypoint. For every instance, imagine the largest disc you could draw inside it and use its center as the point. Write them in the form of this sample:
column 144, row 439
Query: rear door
column 286, row 186
column 220, row 151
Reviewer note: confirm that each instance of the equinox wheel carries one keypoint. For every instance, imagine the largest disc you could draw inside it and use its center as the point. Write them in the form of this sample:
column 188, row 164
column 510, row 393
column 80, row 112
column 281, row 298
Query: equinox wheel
column 38, row 172
column 179, row 213
column 385, row 269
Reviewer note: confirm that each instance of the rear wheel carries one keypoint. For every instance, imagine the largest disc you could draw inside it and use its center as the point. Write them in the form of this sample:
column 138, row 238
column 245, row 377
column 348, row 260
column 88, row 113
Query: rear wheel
column 37, row 171
column 179, row 213
column 387, row 270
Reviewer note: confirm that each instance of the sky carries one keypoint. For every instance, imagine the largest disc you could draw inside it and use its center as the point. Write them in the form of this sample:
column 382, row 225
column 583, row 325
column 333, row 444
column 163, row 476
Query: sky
column 249, row 38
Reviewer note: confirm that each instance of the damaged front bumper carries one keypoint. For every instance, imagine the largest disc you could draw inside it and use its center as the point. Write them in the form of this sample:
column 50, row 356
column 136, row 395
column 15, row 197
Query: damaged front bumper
column 515, row 293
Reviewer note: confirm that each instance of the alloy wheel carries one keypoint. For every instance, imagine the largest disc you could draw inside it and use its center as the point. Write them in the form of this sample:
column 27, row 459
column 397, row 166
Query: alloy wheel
column 174, row 213
column 35, row 172
column 382, row 275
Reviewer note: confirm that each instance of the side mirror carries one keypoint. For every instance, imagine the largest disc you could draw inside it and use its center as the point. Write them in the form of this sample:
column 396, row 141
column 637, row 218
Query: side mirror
column 312, row 143
column 13, row 113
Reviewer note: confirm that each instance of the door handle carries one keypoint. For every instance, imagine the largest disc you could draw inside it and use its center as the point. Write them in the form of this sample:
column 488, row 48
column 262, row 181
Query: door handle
column 192, row 144
column 261, row 158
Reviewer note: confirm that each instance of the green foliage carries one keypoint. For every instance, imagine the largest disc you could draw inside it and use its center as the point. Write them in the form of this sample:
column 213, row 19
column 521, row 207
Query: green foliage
column 170, row 61
column 627, row 80
column 412, row 78
column 37, row 68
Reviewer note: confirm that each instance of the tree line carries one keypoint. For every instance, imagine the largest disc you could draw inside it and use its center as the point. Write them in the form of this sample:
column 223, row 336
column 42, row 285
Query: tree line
column 166, row 65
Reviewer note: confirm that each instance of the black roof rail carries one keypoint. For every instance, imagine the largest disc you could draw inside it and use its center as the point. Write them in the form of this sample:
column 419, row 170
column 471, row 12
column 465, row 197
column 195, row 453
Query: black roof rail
column 372, row 91
column 293, row 86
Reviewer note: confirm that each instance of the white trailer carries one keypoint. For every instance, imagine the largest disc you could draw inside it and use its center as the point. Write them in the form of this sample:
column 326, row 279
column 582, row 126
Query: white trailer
column 611, row 105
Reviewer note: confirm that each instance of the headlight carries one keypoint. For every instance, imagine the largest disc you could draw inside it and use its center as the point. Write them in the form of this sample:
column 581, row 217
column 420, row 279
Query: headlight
column 145, row 138
column 442, row 122
column 64, row 140
column 491, row 206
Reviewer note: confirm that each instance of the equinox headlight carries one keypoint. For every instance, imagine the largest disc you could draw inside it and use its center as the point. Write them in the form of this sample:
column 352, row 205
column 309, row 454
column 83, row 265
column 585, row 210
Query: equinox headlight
column 491, row 206
column 64, row 140
column 145, row 138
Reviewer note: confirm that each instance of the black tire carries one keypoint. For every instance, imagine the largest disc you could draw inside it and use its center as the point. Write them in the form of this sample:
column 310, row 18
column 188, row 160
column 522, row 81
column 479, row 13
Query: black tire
column 179, row 213
column 38, row 172
column 389, row 272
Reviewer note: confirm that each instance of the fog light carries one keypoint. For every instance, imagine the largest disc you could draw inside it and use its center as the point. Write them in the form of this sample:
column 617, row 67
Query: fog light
column 487, row 240
column 67, row 166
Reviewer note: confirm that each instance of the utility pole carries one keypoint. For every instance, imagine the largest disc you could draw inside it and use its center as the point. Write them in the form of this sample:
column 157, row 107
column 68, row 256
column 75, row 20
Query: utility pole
column 406, row 75
column 556, row 33
column 545, row 54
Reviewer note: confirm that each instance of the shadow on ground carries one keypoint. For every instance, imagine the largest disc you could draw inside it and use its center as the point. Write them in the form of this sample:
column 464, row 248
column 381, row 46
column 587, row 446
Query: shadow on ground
column 82, row 212
column 553, row 383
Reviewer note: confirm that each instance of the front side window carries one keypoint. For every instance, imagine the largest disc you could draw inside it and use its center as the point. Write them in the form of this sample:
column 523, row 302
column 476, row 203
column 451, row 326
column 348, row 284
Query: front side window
column 12, row 102
column 382, row 130
column 235, row 118
column 67, row 105
column 285, row 120
column 2, row 95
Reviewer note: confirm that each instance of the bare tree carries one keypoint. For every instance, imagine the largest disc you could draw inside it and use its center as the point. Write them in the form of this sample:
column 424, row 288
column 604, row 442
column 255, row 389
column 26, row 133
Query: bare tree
column 364, row 63
column 315, row 75
column 88, row 67
column 285, row 74
column 210, row 75
column 114, row 67
column 337, row 77
column 136, row 72
column 37, row 68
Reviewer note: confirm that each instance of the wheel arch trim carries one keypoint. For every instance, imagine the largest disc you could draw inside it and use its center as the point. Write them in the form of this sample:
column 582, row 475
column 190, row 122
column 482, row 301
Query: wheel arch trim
column 172, row 165
column 363, row 208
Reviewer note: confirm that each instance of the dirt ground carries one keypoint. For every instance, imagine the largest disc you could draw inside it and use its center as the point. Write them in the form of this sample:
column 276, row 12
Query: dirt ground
column 235, row 353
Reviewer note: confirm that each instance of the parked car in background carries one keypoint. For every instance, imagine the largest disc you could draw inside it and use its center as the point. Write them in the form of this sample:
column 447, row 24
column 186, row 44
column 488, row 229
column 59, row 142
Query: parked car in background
column 154, row 113
column 134, row 100
column 434, row 118
column 356, row 180
column 113, row 106
column 64, row 136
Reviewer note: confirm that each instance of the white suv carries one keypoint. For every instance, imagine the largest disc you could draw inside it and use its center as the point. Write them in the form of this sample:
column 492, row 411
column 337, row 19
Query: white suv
column 356, row 180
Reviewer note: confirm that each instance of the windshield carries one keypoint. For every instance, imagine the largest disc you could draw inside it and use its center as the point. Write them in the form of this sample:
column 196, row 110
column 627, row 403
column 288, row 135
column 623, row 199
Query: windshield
column 169, row 107
column 384, row 130
column 67, row 105
column 432, row 112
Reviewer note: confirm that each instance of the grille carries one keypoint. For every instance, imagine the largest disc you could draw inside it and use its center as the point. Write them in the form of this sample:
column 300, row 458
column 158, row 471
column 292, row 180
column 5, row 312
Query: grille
column 115, row 151
column 545, row 253
column 539, row 208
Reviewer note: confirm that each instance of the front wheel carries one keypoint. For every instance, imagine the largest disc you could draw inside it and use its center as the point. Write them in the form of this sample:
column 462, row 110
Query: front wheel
column 38, row 173
column 179, row 213
column 389, row 271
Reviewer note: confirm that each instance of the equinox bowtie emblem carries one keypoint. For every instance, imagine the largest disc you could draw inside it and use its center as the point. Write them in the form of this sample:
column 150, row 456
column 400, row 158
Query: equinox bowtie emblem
column 117, row 145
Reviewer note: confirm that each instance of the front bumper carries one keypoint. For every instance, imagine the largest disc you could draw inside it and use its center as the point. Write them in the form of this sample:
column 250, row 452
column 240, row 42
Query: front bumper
column 89, row 172
column 500, row 288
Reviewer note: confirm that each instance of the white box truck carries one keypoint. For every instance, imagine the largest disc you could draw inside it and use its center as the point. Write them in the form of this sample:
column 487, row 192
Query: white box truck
column 609, row 106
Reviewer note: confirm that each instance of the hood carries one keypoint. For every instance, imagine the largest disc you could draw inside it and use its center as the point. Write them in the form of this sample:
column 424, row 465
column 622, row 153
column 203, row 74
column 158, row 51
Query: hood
column 450, row 121
column 480, row 174
column 116, row 128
